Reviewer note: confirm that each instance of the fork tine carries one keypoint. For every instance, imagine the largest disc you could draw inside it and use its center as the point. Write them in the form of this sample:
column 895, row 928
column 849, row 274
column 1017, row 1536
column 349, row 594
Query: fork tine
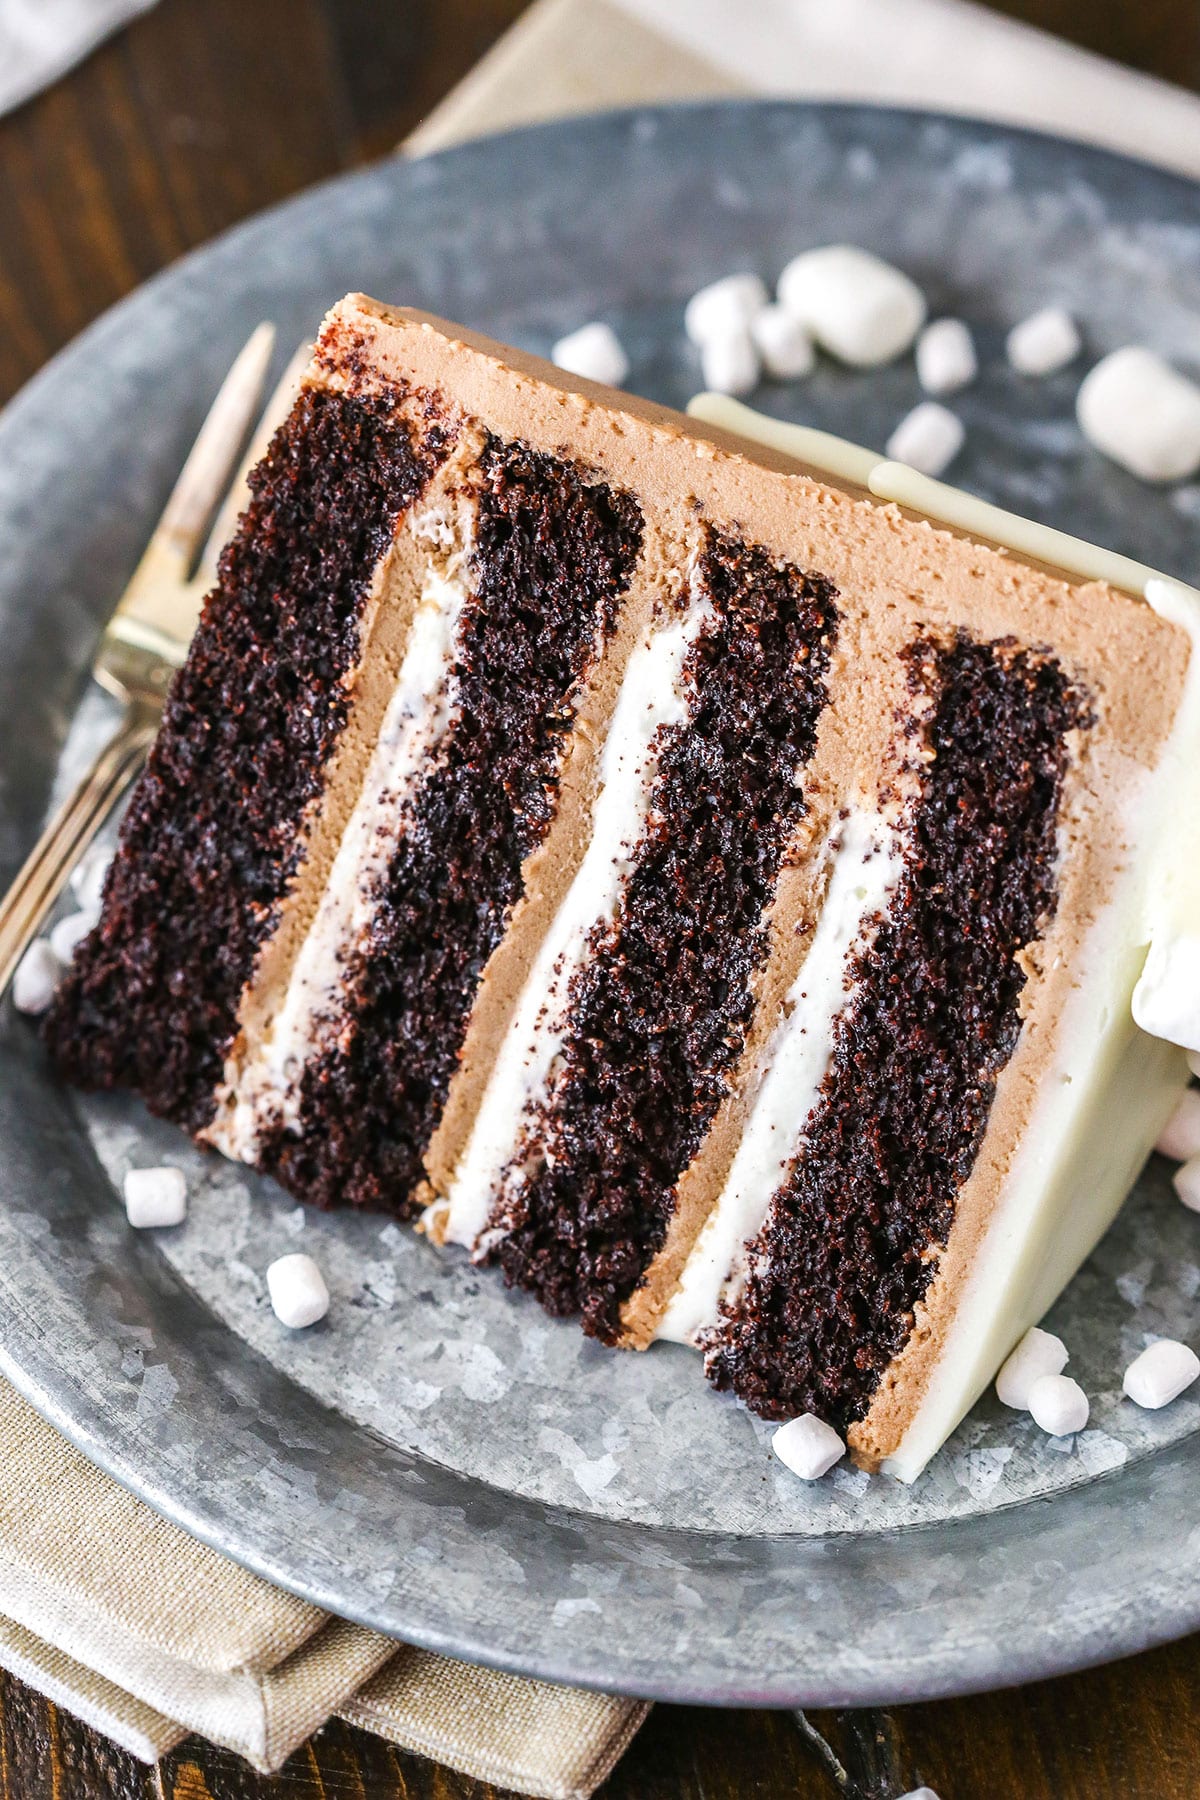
column 173, row 544
column 237, row 499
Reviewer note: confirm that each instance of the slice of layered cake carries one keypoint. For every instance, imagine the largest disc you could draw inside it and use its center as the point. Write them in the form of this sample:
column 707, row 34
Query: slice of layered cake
column 679, row 873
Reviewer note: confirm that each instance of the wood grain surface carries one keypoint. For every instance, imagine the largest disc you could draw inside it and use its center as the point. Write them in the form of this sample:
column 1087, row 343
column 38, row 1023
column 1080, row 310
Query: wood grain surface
column 197, row 115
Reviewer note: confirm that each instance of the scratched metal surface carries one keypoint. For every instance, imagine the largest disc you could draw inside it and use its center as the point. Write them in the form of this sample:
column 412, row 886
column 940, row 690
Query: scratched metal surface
column 439, row 1459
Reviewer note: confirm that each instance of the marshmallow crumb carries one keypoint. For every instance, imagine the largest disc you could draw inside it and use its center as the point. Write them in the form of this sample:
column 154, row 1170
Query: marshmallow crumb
column 1059, row 1405
column 1180, row 1136
column 946, row 359
column 1143, row 414
column 724, row 306
column 1160, row 1374
column 1038, row 1353
column 595, row 352
column 783, row 343
column 856, row 306
column 38, row 974
column 927, row 439
column 297, row 1289
column 155, row 1197
column 70, row 932
column 1045, row 342
column 1186, row 1182
column 808, row 1446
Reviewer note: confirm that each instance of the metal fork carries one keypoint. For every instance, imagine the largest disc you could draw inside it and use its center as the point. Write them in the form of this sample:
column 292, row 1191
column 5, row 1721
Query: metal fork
column 147, row 638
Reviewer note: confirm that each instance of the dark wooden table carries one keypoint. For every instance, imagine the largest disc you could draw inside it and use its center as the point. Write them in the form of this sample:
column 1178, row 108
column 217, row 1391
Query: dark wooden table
column 198, row 114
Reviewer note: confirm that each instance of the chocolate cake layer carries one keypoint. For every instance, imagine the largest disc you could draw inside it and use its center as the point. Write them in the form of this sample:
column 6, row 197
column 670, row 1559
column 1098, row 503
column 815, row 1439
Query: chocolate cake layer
column 214, row 831
column 553, row 552
column 851, row 1241
column 659, row 1011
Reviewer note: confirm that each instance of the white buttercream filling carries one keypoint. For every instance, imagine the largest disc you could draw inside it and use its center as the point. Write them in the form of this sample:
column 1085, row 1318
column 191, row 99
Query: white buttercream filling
column 867, row 863
column 654, row 698
column 266, row 1090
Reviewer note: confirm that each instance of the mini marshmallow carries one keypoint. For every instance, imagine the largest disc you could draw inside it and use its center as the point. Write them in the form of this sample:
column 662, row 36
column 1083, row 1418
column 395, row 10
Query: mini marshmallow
column 1160, row 1374
column 1186, row 1182
column 1038, row 1353
column 808, row 1446
column 70, row 932
column 723, row 306
column 730, row 363
column 1145, row 415
column 298, row 1292
column 88, row 877
column 927, row 439
column 1046, row 341
column 921, row 1793
column 859, row 308
column 1180, row 1136
column 1058, row 1404
column 38, row 974
column 155, row 1197
column 1166, row 1000
column 783, row 343
column 595, row 352
column 946, row 359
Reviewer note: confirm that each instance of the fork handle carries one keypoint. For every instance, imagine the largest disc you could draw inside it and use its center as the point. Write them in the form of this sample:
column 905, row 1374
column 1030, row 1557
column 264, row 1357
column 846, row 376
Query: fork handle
column 67, row 836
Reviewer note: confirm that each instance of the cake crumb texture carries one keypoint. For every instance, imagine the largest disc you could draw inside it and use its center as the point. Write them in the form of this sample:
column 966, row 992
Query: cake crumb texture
column 214, row 830
column 660, row 1010
column 850, row 1244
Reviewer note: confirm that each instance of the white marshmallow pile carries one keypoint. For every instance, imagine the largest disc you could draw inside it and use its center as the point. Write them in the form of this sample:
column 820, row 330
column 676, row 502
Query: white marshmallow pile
column 1032, row 1381
column 1142, row 413
column 155, row 1197
column 1166, row 1000
column 1058, row 1404
column 719, row 319
column 1038, row 1353
column 1160, row 1374
column 946, row 359
column 1045, row 342
column 927, row 439
column 298, row 1292
column 69, row 933
column 808, row 1446
column 1180, row 1136
column 595, row 352
column 859, row 308
column 38, row 974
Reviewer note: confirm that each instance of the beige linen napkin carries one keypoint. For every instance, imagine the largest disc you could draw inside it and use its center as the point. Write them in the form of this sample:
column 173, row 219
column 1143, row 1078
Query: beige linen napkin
column 147, row 1634
column 558, row 1743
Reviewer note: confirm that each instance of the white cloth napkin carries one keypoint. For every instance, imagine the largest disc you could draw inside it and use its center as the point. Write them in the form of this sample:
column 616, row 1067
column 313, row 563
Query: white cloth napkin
column 41, row 39
column 578, row 55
